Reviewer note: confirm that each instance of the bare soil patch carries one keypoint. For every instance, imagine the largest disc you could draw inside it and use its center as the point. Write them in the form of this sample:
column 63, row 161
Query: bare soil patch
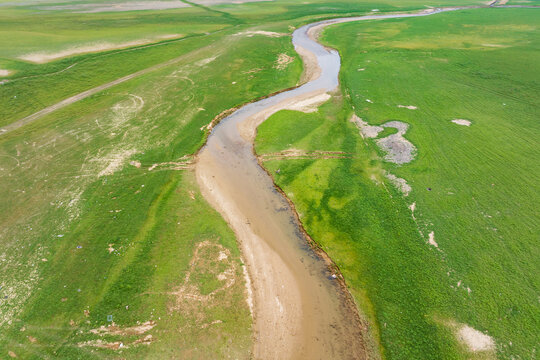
column 475, row 340
column 4, row 72
column 410, row 107
column 211, row 258
column 399, row 183
column 283, row 61
column 44, row 57
column 462, row 122
column 261, row 32
column 118, row 6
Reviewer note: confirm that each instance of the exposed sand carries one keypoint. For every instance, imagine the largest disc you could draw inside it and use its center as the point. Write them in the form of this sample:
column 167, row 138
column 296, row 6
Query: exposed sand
column 475, row 340
column 44, row 57
column 119, row 6
column 5, row 72
column 311, row 66
column 462, row 122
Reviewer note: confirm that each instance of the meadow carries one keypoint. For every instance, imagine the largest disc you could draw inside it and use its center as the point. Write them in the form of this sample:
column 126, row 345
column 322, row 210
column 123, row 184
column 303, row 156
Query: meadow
column 102, row 215
column 461, row 248
column 103, row 224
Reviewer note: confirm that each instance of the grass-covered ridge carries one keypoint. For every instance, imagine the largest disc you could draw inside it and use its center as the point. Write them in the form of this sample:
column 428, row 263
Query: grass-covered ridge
column 473, row 187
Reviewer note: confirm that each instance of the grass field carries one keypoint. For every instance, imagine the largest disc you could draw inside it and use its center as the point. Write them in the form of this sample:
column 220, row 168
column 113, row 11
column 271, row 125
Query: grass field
column 102, row 214
column 473, row 188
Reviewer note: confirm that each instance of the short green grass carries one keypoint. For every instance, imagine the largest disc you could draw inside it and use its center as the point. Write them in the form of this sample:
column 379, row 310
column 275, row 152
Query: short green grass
column 59, row 277
column 61, row 217
column 476, row 65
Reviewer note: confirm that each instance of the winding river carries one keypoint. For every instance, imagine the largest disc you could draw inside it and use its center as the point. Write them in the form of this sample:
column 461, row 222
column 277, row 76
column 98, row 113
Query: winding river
column 300, row 308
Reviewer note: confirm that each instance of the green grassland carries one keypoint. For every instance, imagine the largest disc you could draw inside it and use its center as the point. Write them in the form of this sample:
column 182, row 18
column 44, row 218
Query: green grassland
column 475, row 187
column 101, row 214
column 85, row 234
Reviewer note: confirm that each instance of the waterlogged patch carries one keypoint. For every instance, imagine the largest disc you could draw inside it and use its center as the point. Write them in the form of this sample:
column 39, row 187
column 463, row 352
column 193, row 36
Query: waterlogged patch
column 462, row 122
column 475, row 340
column 44, row 57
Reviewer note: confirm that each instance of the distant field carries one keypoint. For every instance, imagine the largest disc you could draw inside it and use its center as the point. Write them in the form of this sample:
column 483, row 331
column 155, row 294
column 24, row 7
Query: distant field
column 461, row 248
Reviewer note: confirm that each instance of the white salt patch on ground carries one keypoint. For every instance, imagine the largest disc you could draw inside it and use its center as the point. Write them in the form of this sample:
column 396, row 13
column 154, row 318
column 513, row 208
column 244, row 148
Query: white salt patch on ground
column 43, row 57
column 462, row 122
column 475, row 340
column 4, row 72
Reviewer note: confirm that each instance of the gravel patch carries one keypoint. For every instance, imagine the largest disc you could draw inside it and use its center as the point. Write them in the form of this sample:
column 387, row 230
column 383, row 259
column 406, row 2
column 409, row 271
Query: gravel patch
column 399, row 183
column 398, row 149
column 366, row 130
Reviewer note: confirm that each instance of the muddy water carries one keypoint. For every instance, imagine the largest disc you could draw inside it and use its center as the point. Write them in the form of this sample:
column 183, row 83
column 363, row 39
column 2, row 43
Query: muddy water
column 300, row 309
